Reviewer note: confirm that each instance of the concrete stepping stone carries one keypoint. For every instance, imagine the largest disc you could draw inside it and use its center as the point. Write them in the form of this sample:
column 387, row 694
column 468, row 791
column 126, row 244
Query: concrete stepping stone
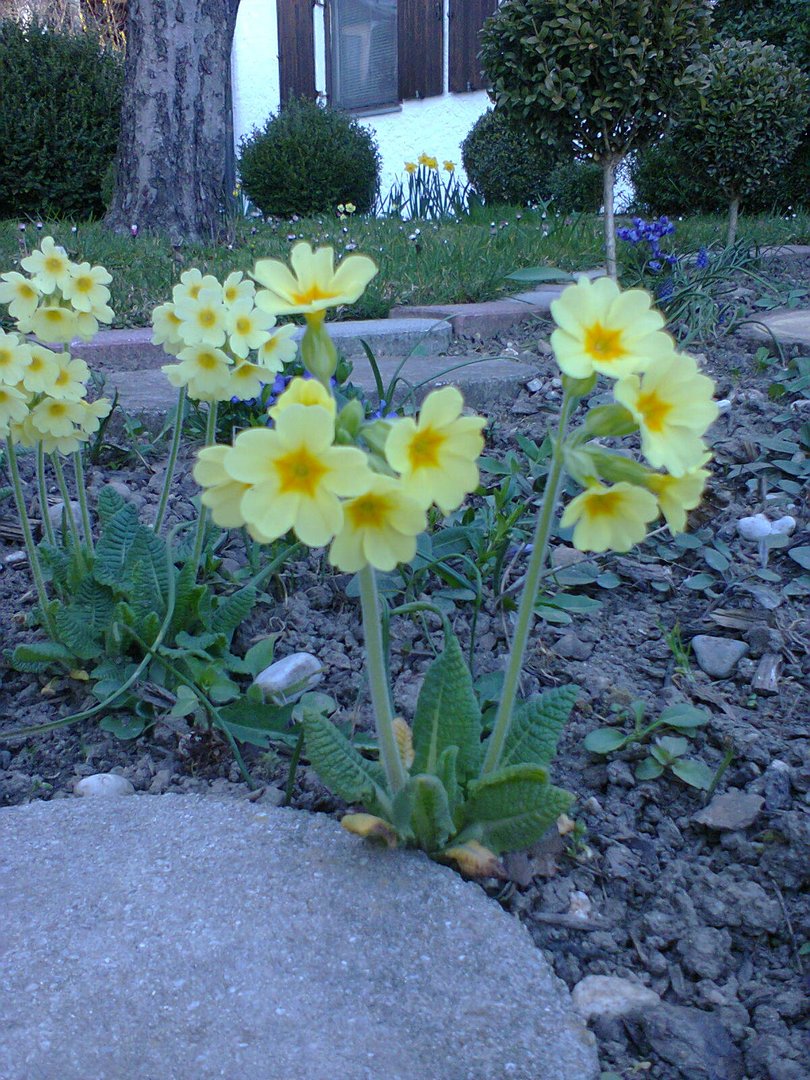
column 175, row 937
column 790, row 327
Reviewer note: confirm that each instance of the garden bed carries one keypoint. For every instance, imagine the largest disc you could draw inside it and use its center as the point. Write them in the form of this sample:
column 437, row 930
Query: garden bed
column 709, row 914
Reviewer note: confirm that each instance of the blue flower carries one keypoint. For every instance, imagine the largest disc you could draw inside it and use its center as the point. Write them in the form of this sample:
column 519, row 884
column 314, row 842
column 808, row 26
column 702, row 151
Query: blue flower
column 654, row 264
column 702, row 259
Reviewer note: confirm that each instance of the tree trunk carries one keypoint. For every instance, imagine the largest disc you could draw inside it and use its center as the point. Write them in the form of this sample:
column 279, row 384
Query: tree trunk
column 175, row 152
column 733, row 214
column 608, row 171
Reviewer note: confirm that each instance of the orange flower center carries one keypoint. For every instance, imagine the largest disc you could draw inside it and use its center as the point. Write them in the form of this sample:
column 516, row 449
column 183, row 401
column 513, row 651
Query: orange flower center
column 299, row 472
column 604, row 345
column 602, row 504
column 654, row 410
column 369, row 511
column 207, row 317
column 424, row 447
column 207, row 361
column 312, row 294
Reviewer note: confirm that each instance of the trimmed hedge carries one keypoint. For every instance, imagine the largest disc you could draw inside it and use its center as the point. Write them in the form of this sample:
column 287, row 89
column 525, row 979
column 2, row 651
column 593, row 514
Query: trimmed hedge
column 60, row 105
column 576, row 187
column 307, row 159
column 503, row 165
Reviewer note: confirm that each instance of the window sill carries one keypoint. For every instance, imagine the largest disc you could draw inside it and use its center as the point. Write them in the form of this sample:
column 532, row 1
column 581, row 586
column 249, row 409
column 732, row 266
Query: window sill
column 374, row 110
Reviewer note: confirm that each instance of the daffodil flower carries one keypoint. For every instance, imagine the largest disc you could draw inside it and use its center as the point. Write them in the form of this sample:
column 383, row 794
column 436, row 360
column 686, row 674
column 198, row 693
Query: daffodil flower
column 380, row 528
column 610, row 518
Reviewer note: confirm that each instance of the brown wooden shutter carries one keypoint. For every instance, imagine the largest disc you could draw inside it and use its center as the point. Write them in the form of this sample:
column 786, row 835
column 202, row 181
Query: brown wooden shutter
column 466, row 19
column 296, row 49
column 420, row 45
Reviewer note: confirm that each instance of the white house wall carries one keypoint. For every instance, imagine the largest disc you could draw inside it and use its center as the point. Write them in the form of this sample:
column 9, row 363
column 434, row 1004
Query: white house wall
column 436, row 126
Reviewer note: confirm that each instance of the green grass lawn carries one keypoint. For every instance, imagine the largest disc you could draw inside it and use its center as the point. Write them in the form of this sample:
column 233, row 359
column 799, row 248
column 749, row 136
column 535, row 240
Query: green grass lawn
column 420, row 262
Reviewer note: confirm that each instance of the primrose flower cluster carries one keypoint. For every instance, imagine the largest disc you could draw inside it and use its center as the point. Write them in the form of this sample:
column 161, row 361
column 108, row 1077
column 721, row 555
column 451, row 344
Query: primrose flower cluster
column 43, row 394
column 658, row 392
column 331, row 477
column 212, row 328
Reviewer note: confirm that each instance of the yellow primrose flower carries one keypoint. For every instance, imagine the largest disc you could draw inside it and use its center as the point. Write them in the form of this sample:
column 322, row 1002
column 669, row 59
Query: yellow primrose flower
column 297, row 475
column 237, row 287
column 279, row 349
column 94, row 413
column 449, row 166
column 21, row 295
column 205, row 372
column 52, row 323
column 410, row 167
column 313, row 284
column 304, row 392
column 13, row 408
column 247, row 380
column 166, row 328
column 350, row 208
column 601, row 328
column 85, row 287
column 247, row 327
column 71, row 377
column 27, row 435
column 49, row 266
column 191, row 284
column 380, row 527
column 87, row 322
column 15, row 356
column 222, row 494
column 610, row 518
column 42, row 371
column 673, row 405
column 202, row 319
column 53, row 416
column 436, row 454
column 677, row 494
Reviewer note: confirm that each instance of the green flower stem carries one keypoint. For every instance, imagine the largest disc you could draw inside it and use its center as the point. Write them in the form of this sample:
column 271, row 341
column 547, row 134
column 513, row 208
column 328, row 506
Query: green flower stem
column 210, row 439
column 68, row 511
column 78, row 469
column 47, row 527
column 170, row 465
column 378, row 682
column 525, row 618
column 30, row 546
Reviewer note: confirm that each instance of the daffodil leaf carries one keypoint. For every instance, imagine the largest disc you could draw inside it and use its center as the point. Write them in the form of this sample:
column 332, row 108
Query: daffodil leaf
column 536, row 726
column 447, row 713
column 341, row 767
column 512, row 808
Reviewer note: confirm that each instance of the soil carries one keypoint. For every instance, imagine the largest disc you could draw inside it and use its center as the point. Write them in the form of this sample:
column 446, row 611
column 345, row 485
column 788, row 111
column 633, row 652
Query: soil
column 711, row 914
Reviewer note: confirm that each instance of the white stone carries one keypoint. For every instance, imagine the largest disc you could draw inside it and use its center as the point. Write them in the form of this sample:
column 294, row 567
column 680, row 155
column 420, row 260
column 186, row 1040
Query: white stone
column 286, row 680
column 104, row 784
column 724, row 405
column 55, row 514
column 784, row 526
column 579, row 906
column 755, row 527
column 609, row 996
column 15, row 557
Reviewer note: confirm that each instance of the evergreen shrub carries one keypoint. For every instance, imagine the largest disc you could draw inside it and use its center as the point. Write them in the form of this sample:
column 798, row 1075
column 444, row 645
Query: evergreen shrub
column 503, row 164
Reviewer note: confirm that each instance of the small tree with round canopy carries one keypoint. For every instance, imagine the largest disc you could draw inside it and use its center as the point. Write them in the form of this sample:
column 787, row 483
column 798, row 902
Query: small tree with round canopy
column 603, row 76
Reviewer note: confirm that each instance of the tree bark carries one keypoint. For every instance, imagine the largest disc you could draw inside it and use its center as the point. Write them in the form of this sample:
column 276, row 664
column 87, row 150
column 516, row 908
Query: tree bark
column 733, row 215
column 608, row 173
column 175, row 152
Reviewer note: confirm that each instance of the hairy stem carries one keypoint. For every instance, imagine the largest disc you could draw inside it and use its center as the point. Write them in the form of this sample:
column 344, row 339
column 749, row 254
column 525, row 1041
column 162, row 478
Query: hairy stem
column 210, row 439
column 170, row 465
column 78, row 469
column 30, row 546
column 73, row 528
column 42, row 488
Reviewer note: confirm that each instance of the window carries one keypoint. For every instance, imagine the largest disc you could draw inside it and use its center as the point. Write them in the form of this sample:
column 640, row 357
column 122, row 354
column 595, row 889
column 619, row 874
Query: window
column 364, row 53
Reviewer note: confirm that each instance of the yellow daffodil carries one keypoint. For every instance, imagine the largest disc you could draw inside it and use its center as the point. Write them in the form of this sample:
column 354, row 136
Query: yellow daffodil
column 53, row 416
column 41, row 373
column 15, row 356
column 202, row 319
column 304, row 392
column 450, row 166
column 677, row 494
column 313, row 284
column 21, row 295
column 279, row 349
column 85, row 287
column 166, row 329
column 410, row 167
column 247, row 327
column 436, row 454
column 428, row 161
column 13, row 408
column 602, row 329
column 52, row 323
column 191, row 284
column 297, row 475
column 205, row 372
column 247, row 380
column 610, row 518
column 380, row 528
column 49, row 266
column 71, row 378
column 673, row 405
column 237, row 287
column 222, row 494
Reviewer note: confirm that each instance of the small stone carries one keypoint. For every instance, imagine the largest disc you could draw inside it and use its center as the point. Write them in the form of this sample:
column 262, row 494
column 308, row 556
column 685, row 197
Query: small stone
column 755, row 527
column 15, row 557
column 784, row 526
column 776, row 786
column 730, row 811
column 104, row 784
column 534, row 386
column 56, row 511
column 766, row 676
column 718, row 656
column 705, row 952
column 288, row 679
column 692, row 1041
column 723, row 405
column 609, row 996
column 570, row 647
column 563, row 555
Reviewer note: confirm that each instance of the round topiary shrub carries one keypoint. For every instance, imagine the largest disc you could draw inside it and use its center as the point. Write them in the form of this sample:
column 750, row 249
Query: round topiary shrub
column 665, row 181
column 307, row 159
column 60, row 105
column 503, row 164
column 576, row 187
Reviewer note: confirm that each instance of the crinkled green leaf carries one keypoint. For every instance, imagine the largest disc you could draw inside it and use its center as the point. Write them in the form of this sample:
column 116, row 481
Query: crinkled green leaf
column 111, row 566
column 512, row 808
column 447, row 714
column 343, row 769
column 536, row 726
column 421, row 810
column 233, row 610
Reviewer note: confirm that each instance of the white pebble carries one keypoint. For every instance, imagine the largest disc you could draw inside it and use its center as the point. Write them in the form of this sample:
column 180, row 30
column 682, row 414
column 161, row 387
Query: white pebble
column 755, row 527
column 15, row 557
column 785, row 526
column 104, row 784
column 724, row 405
column 286, row 680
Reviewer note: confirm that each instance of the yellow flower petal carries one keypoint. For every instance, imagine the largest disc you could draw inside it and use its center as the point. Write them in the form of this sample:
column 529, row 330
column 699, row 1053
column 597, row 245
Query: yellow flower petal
column 610, row 518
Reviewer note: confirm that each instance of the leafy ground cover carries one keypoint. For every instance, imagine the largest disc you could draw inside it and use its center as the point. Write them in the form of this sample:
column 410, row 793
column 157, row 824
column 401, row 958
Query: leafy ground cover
column 420, row 263
column 648, row 882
